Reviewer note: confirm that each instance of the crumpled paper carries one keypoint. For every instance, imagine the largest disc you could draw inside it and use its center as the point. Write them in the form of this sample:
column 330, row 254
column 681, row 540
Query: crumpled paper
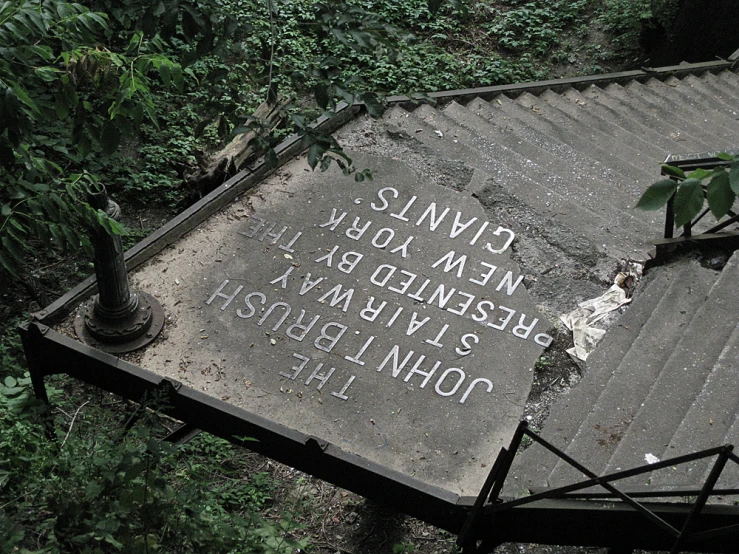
column 581, row 321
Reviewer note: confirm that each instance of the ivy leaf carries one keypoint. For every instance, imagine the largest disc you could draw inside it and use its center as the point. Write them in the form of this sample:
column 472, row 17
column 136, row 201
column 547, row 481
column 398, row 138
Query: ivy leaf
column 724, row 156
column 270, row 158
column 340, row 36
column 719, row 194
column 47, row 74
column 13, row 247
column 115, row 227
column 25, row 98
column 73, row 241
column 734, row 177
column 673, row 171
column 18, row 226
column 9, row 264
column 84, row 145
column 315, row 152
column 56, row 232
column 240, row 130
column 700, row 174
column 93, row 489
column 657, row 195
column 165, row 74
column 176, row 71
column 688, row 201
column 361, row 38
column 345, row 94
column 134, row 471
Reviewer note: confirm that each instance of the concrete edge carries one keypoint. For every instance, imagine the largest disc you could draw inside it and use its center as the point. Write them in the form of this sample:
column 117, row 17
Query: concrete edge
column 536, row 87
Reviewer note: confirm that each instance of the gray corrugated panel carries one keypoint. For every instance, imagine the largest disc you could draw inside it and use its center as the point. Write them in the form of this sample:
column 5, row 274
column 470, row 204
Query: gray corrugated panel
column 690, row 91
column 709, row 418
column 640, row 151
column 576, row 159
column 723, row 90
column 684, row 374
column 534, row 112
column 534, row 466
column 649, row 128
column 595, row 195
column 486, row 131
column 635, row 372
column 678, row 124
column 524, row 179
column 657, row 97
column 729, row 77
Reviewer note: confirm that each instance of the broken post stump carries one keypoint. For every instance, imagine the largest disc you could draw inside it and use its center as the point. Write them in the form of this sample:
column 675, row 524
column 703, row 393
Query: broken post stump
column 117, row 319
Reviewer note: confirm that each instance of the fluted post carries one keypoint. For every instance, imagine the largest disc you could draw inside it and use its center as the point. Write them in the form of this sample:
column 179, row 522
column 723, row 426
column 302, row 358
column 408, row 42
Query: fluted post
column 117, row 319
column 114, row 299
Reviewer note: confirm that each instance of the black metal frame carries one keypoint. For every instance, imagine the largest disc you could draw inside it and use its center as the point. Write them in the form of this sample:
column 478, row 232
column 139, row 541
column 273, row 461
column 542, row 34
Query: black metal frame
column 550, row 517
column 682, row 534
column 50, row 353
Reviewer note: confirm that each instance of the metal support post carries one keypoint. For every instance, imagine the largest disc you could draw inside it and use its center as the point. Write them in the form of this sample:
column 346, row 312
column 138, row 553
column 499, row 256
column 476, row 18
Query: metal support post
column 117, row 319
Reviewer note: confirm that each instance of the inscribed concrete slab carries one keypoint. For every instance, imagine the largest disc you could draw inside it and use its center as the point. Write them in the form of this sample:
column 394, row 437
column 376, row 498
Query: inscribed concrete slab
column 385, row 317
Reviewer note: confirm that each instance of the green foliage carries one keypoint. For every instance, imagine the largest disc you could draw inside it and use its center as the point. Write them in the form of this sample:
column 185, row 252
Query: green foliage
column 131, row 94
column 137, row 93
column 276, row 538
column 63, row 98
column 625, row 21
column 75, row 82
column 536, row 27
column 657, row 195
column 98, row 488
column 718, row 188
column 35, row 213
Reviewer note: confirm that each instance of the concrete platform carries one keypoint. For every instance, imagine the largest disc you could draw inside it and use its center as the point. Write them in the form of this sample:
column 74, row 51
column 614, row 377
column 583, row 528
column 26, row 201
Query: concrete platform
column 385, row 317
column 389, row 323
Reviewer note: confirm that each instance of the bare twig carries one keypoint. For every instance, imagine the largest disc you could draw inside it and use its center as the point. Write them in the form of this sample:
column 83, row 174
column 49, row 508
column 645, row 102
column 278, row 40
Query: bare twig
column 9, row 502
column 58, row 409
column 72, row 423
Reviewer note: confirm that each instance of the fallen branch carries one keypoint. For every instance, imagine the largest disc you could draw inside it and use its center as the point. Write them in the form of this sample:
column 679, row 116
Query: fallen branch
column 233, row 157
column 72, row 423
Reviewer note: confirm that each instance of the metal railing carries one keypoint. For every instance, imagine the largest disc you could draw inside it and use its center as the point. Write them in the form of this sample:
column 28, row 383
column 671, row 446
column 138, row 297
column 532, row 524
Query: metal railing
column 689, row 162
column 489, row 502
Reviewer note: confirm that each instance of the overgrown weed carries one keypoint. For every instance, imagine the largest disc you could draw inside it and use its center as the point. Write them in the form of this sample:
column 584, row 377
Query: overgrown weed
column 98, row 487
